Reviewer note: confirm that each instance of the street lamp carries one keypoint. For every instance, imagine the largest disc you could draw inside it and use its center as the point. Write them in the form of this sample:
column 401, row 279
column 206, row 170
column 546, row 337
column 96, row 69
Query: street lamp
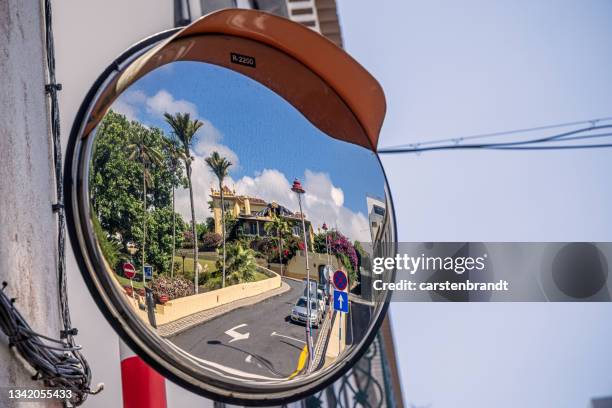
column 132, row 249
column 329, row 266
column 299, row 190
column 324, row 228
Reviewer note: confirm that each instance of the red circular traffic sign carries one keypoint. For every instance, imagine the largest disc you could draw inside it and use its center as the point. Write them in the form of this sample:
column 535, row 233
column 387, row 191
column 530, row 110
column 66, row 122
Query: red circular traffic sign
column 340, row 280
column 128, row 270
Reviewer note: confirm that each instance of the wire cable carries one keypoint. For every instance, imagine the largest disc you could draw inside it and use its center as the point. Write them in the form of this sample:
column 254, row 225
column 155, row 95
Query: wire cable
column 514, row 145
column 593, row 122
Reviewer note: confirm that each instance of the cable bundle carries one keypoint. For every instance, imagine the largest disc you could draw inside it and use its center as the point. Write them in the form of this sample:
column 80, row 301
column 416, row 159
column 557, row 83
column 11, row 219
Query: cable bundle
column 55, row 362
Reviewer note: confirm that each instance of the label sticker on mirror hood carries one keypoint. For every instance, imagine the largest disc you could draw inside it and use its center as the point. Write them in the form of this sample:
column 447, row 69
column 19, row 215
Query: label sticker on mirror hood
column 242, row 59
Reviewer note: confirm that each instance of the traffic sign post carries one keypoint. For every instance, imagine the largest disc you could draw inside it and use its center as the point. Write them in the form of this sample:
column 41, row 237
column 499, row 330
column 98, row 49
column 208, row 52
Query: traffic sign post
column 148, row 272
column 129, row 271
column 340, row 281
column 340, row 301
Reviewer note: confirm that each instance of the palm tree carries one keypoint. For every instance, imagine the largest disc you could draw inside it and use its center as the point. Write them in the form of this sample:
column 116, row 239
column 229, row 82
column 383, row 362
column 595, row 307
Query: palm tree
column 175, row 153
column 184, row 129
column 141, row 151
column 241, row 264
column 220, row 165
column 280, row 227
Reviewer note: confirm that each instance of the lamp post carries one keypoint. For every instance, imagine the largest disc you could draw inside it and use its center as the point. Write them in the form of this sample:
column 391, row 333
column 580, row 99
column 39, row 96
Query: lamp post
column 324, row 228
column 329, row 267
column 299, row 190
column 132, row 249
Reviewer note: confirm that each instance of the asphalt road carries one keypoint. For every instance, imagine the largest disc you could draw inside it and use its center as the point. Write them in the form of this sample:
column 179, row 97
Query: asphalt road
column 272, row 348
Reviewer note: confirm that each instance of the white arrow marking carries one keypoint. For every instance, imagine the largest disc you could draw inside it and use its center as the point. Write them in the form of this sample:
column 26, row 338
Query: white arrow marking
column 235, row 335
column 288, row 337
column 248, row 359
column 340, row 300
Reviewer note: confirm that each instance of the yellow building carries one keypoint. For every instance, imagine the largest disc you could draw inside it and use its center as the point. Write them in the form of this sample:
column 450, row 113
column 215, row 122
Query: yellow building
column 253, row 213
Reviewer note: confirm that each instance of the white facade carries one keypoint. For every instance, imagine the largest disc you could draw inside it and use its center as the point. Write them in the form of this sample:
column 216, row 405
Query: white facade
column 376, row 214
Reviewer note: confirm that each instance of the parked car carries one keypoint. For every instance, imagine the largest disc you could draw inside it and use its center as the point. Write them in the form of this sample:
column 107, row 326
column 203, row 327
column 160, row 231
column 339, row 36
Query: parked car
column 321, row 299
column 299, row 312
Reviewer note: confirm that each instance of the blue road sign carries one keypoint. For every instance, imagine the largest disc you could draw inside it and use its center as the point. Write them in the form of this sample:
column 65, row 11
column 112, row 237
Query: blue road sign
column 340, row 301
column 148, row 271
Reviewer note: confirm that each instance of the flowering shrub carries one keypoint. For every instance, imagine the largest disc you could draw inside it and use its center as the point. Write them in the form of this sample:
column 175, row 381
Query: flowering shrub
column 339, row 244
column 173, row 288
column 211, row 241
column 187, row 239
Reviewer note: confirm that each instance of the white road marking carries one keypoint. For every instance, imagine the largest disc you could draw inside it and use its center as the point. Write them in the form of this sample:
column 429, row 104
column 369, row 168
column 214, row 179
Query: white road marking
column 227, row 372
column 287, row 337
column 235, row 335
column 248, row 358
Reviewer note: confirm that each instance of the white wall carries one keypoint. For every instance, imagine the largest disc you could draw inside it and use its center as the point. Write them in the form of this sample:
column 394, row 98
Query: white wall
column 88, row 36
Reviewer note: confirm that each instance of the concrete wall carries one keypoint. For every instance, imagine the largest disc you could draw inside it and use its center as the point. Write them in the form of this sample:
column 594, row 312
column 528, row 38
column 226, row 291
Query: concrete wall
column 182, row 307
column 27, row 191
column 296, row 268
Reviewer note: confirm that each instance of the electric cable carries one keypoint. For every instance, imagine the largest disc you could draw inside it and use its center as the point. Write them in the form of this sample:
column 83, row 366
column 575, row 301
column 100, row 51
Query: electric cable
column 514, row 145
column 592, row 122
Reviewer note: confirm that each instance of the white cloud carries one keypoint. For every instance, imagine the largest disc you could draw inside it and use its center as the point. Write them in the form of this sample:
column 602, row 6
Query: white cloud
column 132, row 103
column 208, row 140
column 163, row 102
column 323, row 202
column 127, row 104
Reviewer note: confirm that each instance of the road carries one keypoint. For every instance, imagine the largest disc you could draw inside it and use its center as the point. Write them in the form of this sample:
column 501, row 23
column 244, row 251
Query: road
column 272, row 348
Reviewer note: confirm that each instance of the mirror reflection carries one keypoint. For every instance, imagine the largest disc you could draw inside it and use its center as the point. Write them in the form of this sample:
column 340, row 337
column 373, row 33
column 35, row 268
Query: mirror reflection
column 228, row 221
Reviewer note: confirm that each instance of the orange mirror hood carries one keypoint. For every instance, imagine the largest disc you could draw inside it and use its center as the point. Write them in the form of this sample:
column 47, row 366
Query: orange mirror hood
column 318, row 78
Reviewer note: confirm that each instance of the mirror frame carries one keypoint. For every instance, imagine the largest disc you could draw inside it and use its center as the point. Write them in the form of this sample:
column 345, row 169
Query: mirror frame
column 141, row 340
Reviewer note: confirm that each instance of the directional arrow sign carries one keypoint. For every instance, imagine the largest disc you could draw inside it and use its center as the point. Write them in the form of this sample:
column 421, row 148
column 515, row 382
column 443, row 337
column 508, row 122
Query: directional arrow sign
column 237, row 336
column 340, row 301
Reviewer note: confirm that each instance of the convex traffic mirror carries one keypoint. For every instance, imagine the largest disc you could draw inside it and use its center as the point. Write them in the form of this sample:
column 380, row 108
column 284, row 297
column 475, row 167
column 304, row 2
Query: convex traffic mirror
column 225, row 199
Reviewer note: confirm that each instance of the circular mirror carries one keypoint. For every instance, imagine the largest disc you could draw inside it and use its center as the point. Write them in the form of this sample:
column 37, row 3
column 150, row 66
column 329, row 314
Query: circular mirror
column 224, row 203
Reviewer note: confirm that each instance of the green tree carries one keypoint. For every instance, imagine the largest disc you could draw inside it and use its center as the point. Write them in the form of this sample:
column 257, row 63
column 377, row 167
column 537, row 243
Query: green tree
column 210, row 224
column 319, row 243
column 184, row 129
column 280, row 227
column 219, row 166
column 116, row 191
column 141, row 150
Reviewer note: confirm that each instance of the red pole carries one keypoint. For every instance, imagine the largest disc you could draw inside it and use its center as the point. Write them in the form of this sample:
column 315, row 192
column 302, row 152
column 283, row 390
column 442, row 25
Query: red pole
column 142, row 386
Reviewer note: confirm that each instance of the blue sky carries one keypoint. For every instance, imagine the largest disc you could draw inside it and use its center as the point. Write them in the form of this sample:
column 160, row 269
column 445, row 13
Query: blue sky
column 459, row 68
column 257, row 130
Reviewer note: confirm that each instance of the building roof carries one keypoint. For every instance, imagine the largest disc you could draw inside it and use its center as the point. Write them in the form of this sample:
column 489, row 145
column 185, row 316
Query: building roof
column 228, row 193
